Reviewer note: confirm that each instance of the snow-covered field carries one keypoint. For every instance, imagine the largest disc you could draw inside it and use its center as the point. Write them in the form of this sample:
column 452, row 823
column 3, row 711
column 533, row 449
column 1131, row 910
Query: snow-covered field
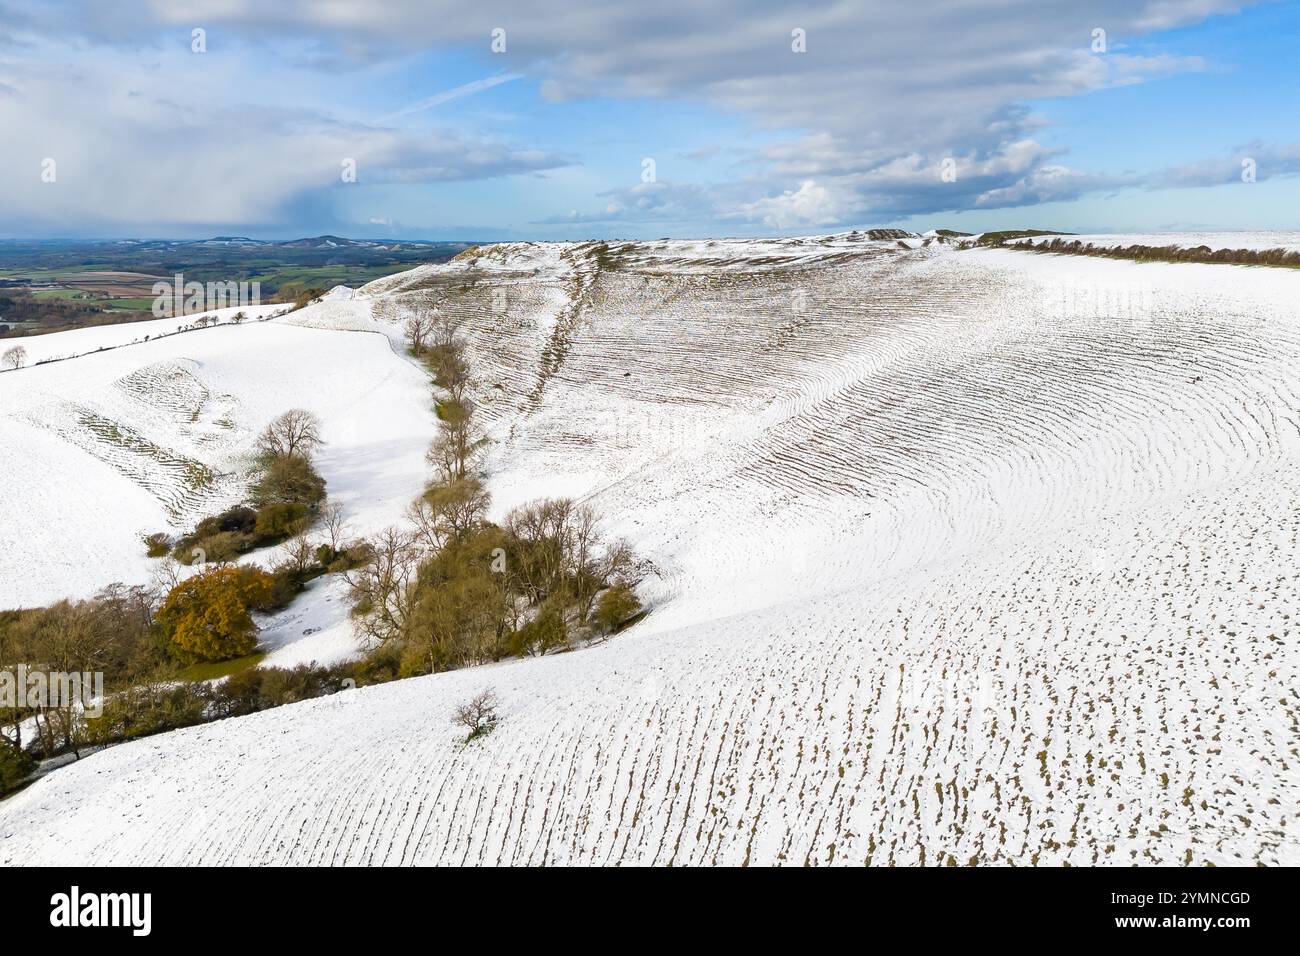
column 104, row 448
column 64, row 345
column 953, row 556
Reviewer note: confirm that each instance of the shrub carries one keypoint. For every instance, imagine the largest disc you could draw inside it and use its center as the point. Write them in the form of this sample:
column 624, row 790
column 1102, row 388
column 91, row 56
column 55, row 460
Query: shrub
column 261, row 688
column 379, row 666
column 281, row 520
column 616, row 605
column 342, row 559
column 240, row 518
column 222, row 537
column 15, row 766
column 224, row 546
column 238, row 694
column 207, row 616
column 290, row 479
column 240, row 530
column 544, row 632
column 150, row 709
column 158, row 544
column 478, row 715
column 286, row 582
column 281, row 685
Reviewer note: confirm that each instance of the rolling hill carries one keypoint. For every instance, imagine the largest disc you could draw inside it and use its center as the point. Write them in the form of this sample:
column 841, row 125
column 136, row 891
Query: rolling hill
column 952, row 556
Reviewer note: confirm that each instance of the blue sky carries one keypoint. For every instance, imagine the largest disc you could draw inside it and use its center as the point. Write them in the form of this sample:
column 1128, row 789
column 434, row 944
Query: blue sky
column 115, row 126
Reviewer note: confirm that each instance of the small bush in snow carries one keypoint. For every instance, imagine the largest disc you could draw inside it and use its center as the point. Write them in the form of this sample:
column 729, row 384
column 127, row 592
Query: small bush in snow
column 478, row 716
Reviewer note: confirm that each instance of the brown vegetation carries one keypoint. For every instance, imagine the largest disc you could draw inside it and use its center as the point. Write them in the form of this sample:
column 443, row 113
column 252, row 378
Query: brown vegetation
column 452, row 589
column 286, row 494
column 1283, row 258
column 206, row 617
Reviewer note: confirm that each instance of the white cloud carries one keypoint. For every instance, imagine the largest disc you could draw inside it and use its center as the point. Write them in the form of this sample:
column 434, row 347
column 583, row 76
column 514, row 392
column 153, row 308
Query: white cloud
column 809, row 205
column 170, row 141
column 1267, row 160
column 883, row 94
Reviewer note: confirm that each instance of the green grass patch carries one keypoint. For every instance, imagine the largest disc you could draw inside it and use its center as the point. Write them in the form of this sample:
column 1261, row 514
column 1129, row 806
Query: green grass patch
column 131, row 305
column 213, row 670
column 326, row 277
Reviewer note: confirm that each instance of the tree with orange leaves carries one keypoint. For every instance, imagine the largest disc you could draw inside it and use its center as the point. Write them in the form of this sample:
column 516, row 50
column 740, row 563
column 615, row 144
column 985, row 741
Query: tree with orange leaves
column 207, row 616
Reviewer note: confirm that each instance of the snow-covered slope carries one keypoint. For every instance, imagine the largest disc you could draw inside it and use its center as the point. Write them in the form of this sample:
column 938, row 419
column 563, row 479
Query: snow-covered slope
column 953, row 556
column 145, row 436
column 58, row 346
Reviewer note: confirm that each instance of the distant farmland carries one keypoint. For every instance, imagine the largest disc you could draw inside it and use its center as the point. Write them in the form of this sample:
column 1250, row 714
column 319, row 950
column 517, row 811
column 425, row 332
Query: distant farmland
column 53, row 286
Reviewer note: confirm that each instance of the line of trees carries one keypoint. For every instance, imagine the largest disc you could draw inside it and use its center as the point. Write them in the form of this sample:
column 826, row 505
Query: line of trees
column 140, row 639
column 111, row 633
column 449, row 588
column 1286, row 258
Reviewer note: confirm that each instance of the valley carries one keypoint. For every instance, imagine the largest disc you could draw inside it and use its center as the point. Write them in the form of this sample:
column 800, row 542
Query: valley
column 945, row 562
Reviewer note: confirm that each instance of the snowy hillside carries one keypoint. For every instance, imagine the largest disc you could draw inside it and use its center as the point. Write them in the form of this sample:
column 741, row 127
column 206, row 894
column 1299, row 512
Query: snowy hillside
column 134, row 436
column 952, row 556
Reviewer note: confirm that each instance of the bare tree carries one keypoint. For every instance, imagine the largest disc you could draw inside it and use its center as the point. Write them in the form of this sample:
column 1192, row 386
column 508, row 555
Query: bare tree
column 544, row 532
column 457, row 446
column 336, row 527
column 15, row 357
column 417, row 328
column 295, row 432
column 447, row 358
column 479, row 715
column 167, row 574
column 559, row 553
column 382, row 586
column 451, row 510
column 300, row 552
column 444, row 330
column 593, row 563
